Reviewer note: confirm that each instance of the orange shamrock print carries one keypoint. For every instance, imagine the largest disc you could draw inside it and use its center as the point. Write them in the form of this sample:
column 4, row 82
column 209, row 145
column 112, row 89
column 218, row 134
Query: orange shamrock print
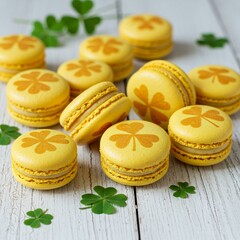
column 35, row 82
column 216, row 73
column 132, row 129
column 147, row 23
column 157, row 103
column 196, row 121
column 23, row 42
column 105, row 126
column 44, row 144
column 110, row 46
column 84, row 68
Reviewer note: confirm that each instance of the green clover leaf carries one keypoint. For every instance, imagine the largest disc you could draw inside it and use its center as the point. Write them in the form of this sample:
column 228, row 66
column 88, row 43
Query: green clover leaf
column 53, row 24
column 182, row 190
column 37, row 217
column 82, row 6
column 91, row 23
column 8, row 132
column 104, row 201
column 212, row 41
column 71, row 23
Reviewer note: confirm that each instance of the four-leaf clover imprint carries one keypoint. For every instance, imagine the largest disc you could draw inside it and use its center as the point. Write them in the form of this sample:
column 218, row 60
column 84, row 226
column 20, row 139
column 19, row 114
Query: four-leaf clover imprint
column 147, row 23
column 122, row 140
column 43, row 142
column 216, row 73
column 156, row 103
column 196, row 121
column 35, row 82
column 108, row 47
column 23, row 42
column 84, row 68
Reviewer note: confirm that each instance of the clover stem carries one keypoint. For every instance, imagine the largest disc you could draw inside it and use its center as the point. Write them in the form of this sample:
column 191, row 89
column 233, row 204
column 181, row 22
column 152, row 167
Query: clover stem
column 85, row 208
column 214, row 124
column 106, row 7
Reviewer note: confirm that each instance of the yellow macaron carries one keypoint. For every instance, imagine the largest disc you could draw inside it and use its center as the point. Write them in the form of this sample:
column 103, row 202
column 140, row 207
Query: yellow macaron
column 37, row 97
column 44, row 159
column 135, row 152
column 93, row 111
column 111, row 50
column 82, row 74
column 158, row 89
column 201, row 135
column 19, row 53
column 217, row 86
column 149, row 35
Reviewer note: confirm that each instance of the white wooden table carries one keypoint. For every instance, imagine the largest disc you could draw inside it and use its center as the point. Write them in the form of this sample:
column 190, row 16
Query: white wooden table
column 152, row 212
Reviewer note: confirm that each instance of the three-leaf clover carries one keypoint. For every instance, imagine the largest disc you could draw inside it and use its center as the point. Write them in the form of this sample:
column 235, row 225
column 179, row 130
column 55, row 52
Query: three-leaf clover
column 49, row 31
column 104, row 201
column 212, row 41
column 82, row 7
column 37, row 217
column 182, row 189
column 8, row 132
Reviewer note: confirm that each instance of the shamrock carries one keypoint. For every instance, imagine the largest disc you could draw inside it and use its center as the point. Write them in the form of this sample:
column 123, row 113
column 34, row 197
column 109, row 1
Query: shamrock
column 212, row 41
column 8, row 132
column 104, row 201
column 182, row 189
column 37, row 217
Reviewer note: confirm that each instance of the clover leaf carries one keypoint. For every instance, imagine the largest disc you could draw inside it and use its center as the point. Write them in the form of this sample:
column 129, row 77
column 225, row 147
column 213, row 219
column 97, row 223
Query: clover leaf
column 182, row 190
column 8, row 132
column 212, row 41
column 37, row 217
column 105, row 200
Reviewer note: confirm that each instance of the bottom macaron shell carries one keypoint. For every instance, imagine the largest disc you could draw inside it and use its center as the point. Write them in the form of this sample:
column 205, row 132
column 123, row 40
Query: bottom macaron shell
column 121, row 74
column 95, row 124
column 141, row 180
column 35, row 121
column 200, row 160
column 47, row 183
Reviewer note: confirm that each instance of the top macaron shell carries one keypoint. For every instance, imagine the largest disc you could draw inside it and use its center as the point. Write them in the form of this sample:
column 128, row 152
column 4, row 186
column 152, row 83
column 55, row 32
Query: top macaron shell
column 132, row 140
column 37, row 89
column 20, row 49
column 215, row 81
column 145, row 27
column 81, row 74
column 105, row 48
column 201, row 124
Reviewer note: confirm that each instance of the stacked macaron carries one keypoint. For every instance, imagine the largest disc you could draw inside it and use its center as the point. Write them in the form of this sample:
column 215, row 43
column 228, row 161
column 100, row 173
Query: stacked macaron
column 149, row 35
column 111, row 50
column 19, row 53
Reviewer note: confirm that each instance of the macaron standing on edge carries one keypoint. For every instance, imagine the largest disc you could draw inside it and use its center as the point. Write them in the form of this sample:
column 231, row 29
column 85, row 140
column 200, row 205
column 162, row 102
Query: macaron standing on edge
column 149, row 35
column 111, row 50
column 37, row 97
column 158, row 89
column 93, row 111
column 19, row 53
column 201, row 135
column 82, row 74
column 135, row 152
column 44, row 159
column 217, row 86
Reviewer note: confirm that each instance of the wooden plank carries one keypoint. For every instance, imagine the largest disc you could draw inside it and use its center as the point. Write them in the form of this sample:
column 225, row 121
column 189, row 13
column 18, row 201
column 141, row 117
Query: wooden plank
column 212, row 213
column 64, row 203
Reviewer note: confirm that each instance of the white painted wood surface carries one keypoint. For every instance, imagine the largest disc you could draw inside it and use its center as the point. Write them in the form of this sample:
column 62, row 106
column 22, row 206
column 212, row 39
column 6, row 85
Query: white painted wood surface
column 152, row 211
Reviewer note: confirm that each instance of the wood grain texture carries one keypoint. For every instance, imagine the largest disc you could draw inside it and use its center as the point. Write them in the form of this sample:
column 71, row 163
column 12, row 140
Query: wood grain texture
column 212, row 213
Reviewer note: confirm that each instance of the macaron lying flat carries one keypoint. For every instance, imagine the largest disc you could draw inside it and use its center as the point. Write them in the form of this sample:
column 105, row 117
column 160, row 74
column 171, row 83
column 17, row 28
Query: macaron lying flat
column 82, row 74
column 217, row 86
column 111, row 50
column 158, row 89
column 93, row 111
column 135, row 152
column 149, row 35
column 37, row 97
column 19, row 53
column 44, row 159
column 201, row 135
